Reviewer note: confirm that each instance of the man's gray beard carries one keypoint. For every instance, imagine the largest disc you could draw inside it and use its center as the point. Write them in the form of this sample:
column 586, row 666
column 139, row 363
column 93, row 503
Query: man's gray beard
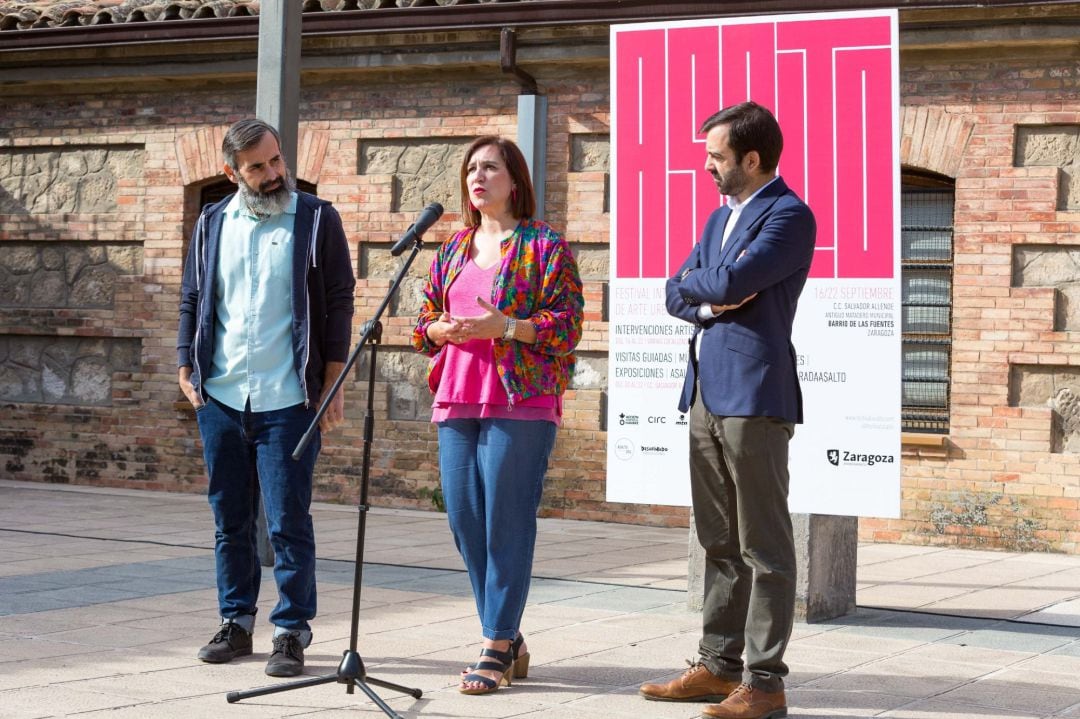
column 267, row 204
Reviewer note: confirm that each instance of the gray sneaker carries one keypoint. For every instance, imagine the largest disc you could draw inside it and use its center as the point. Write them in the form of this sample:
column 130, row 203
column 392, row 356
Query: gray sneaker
column 230, row 642
column 287, row 659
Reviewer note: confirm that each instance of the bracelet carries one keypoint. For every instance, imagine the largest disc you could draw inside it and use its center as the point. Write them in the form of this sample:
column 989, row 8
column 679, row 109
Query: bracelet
column 508, row 330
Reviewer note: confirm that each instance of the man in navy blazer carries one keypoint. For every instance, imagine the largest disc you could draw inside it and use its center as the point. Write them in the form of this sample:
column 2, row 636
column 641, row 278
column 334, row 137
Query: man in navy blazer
column 740, row 287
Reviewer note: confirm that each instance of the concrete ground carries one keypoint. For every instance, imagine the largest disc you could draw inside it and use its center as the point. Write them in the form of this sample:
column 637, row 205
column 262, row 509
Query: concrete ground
column 106, row 595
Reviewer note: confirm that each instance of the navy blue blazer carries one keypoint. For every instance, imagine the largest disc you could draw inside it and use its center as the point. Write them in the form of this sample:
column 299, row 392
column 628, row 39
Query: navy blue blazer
column 747, row 366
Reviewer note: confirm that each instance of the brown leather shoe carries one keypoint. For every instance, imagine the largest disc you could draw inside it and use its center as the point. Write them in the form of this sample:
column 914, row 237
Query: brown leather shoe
column 697, row 684
column 746, row 702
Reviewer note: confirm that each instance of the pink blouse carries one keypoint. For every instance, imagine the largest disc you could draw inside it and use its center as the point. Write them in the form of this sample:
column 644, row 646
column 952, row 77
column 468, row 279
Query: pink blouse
column 470, row 386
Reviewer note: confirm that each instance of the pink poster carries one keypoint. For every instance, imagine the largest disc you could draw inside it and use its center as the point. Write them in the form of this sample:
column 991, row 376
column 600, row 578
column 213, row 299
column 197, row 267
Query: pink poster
column 829, row 83
column 831, row 80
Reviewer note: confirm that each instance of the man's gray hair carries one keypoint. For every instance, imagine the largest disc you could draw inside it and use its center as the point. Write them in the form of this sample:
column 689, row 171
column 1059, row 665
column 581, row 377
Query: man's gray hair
column 244, row 135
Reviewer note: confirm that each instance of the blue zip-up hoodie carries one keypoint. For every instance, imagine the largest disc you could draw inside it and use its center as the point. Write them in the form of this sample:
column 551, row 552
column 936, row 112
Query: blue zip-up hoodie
column 322, row 297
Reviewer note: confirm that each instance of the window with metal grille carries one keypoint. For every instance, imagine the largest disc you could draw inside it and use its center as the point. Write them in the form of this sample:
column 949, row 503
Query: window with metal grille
column 926, row 236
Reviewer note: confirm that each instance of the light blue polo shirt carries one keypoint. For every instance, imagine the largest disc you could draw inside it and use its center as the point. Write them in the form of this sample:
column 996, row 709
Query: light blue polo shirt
column 253, row 352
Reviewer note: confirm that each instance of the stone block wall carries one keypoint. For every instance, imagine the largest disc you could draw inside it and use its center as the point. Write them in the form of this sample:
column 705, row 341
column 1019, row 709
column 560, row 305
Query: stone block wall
column 74, row 305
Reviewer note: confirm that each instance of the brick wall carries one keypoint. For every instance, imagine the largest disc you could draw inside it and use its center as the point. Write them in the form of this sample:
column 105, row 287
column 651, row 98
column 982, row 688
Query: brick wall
column 379, row 154
column 1008, row 476
column 87, row 364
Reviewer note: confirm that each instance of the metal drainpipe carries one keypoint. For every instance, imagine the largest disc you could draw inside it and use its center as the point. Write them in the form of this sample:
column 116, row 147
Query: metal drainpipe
column 532, row 116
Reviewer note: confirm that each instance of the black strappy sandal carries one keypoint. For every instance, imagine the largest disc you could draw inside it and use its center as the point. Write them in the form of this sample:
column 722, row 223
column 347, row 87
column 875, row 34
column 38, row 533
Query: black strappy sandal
column 504, row 662
column 521, row 661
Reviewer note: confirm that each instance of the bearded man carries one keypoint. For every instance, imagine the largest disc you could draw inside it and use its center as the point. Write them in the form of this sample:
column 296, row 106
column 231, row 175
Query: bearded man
column 265, row 326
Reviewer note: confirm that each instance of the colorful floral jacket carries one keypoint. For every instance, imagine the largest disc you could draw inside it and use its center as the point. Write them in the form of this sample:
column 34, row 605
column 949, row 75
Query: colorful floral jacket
column 538, row 281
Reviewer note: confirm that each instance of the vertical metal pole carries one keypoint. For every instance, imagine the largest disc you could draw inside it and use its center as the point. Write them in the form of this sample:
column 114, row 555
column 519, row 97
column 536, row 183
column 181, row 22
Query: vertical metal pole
column 277, row 95
column 532, row 139
column 277, row 100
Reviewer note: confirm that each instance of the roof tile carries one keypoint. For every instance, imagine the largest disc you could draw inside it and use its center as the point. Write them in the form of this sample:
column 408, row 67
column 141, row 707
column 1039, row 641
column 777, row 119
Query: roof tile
column 32, row 14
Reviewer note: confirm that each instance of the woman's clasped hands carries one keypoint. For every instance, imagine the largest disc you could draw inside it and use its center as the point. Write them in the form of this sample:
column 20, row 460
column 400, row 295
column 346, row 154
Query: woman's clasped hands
column 489, row 324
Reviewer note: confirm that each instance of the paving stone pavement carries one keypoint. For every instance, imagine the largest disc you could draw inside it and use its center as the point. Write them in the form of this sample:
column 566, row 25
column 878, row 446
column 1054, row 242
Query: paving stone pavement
column 106, row 595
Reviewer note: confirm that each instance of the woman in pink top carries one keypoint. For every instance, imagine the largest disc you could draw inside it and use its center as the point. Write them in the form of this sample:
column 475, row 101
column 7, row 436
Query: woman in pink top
column 502, row 314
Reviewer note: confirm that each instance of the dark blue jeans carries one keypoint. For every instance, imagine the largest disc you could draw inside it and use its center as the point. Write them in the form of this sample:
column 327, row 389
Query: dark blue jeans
column 492, row 479
column 248, row 453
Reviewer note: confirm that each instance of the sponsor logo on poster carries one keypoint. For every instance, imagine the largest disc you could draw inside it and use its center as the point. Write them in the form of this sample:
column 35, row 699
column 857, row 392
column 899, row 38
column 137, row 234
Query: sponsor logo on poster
column 843, row 457
column 624, row 448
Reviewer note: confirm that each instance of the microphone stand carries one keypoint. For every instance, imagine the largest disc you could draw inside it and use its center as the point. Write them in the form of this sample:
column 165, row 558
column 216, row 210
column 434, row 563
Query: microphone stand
column 350, row 671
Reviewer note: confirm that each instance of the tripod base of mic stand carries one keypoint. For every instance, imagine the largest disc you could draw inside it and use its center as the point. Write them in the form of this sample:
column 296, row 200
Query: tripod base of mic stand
column 350, row 672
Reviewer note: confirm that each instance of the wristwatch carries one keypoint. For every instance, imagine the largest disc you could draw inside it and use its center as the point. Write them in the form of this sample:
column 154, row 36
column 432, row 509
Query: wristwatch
column 508, row 331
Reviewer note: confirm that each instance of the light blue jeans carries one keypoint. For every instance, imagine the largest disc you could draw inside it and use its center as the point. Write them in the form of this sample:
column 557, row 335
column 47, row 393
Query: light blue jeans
column 492, row 480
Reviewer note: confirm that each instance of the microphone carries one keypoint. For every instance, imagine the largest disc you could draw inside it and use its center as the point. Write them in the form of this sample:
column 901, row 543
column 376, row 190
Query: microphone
column 427, row 218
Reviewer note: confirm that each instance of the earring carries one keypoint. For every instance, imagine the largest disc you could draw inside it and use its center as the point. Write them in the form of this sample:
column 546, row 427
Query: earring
column 513, row 194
